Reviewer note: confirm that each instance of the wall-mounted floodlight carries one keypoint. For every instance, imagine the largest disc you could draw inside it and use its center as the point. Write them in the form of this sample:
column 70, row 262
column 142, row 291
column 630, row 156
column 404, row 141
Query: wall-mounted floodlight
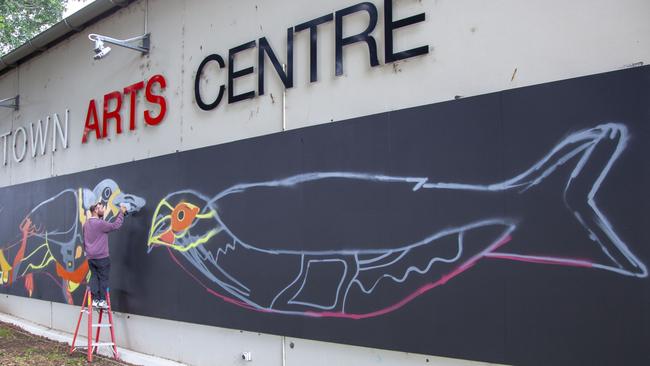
column 12, row 102
column 101, row 50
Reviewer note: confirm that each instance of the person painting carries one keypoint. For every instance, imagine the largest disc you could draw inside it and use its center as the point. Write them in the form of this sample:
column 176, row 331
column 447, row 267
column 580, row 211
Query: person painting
column 95, row 232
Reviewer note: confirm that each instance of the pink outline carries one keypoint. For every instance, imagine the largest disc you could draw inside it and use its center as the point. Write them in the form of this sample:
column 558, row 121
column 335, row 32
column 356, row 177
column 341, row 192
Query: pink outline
column 224, row 298
column 444, row 279
column 542, row 260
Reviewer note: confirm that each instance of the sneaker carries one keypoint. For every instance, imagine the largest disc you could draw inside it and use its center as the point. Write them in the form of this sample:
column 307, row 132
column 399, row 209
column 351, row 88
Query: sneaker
column 95, row 303
column 102, row 304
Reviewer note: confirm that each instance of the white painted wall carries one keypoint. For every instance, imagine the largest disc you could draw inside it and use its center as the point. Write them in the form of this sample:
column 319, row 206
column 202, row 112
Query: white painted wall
column 475, row 48
column 195, row 344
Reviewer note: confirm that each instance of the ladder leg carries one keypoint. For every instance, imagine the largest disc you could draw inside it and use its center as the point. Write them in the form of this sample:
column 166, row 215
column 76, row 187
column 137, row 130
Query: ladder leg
column 110, row 320
column 90, row 329
column 76, row 330
column 99, row 321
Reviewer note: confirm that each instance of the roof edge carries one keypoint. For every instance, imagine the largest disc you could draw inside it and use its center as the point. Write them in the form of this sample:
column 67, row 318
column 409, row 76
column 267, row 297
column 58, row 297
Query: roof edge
column 63, row 29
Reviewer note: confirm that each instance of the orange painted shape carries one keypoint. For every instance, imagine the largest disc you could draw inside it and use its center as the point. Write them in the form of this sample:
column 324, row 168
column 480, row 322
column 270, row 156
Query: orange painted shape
column 24, row 228
column 75, row 276
column 183, row 215
column 79, row 252
column 167, row 237
column 29, row 283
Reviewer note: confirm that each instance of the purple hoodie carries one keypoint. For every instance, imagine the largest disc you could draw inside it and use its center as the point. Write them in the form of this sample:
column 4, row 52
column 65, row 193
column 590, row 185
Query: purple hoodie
column 96, row 235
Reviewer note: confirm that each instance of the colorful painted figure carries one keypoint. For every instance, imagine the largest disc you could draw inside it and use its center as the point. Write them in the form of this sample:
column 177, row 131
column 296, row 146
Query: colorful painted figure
column 51, row 237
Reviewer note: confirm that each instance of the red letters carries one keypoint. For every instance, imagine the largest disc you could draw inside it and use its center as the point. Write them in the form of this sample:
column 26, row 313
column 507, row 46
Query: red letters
column 92, row 122
column 133, row 90
column 158, row 99
column 91, row 114
column 112, row 114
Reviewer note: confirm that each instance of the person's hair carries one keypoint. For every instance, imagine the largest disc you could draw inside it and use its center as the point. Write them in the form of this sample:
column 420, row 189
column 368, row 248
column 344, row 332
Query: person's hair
column 94, row 206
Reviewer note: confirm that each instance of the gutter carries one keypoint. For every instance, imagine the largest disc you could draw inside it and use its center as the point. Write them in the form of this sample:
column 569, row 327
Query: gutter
column 65, row 28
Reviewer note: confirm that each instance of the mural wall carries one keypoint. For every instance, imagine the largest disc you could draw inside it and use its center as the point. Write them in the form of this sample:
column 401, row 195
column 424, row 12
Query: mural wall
column 508, row 227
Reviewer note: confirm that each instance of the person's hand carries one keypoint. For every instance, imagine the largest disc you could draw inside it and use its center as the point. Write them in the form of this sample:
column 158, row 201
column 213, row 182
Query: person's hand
column 123, row 208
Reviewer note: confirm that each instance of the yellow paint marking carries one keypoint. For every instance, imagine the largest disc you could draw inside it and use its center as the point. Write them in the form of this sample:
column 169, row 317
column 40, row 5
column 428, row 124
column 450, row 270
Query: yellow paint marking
column 35, row 251
column 195, row 244
column 206, row 215
column 82, row 212
column 155, row 215
column 72, row 286
column 46, row 260
column 114, row 209
column 5, row 267
column 160, row 222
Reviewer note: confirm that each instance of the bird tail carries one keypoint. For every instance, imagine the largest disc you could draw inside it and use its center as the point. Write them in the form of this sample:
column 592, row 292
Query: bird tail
column 589, row 155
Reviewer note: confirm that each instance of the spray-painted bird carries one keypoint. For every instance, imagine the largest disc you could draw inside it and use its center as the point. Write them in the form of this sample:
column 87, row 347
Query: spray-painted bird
column 51, row 234
column 350, row 245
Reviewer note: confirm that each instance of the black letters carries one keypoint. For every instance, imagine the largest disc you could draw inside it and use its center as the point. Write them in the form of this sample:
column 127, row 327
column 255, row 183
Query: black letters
column 286, row 77
column 286, row 74
column 390, row 25
column 313, row 42
column 361, row 37
column 232, row 75
column 197, row 79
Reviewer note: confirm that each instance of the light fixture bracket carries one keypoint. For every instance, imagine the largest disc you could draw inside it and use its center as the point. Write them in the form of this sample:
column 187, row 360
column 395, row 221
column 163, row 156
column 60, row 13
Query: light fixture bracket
column 129, row 43
column 13, row 102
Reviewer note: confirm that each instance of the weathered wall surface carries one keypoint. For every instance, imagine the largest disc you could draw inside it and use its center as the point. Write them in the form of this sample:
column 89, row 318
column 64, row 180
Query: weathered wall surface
column 474, row 49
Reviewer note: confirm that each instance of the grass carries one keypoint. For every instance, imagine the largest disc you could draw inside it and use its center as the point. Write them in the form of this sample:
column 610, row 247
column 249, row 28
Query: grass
column 6, row 333
column 19, row 348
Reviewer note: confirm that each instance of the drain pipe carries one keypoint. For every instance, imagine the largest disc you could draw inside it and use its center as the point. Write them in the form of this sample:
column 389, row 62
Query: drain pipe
column 284, row 351
column 284, row 121
column 146, row 15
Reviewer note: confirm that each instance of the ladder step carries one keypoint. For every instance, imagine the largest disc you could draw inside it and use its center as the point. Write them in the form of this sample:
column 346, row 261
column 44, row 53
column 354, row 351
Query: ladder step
column 100, row 344
column 95, row 309
column 88, row 310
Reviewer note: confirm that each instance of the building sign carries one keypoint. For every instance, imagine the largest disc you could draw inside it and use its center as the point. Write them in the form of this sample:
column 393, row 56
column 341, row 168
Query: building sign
column 101, row 114
column 34, row 138
column 265, row 51
column 111, row 111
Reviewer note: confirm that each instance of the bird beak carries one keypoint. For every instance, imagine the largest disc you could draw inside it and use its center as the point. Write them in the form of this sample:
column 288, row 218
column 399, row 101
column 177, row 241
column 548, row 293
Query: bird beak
column 161, row 229
column 132, row 202
column 167, row 237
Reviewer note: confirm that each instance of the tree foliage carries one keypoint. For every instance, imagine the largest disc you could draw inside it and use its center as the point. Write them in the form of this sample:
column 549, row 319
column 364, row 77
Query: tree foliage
column 21, row 20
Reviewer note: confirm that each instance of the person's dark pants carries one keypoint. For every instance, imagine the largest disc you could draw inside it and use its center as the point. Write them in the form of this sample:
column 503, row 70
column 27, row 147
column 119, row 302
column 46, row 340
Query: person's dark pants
column 100, row 270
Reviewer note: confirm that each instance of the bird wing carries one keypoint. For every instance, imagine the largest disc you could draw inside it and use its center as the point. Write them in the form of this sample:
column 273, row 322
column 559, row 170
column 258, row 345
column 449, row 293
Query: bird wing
column 347, row 212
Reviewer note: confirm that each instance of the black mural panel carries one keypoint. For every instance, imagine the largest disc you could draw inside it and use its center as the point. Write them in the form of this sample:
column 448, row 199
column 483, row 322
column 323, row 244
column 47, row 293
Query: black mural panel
column 508, row 227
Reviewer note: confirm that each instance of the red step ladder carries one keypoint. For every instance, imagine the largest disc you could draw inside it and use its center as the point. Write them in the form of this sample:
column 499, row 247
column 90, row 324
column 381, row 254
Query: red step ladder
column 86, row 308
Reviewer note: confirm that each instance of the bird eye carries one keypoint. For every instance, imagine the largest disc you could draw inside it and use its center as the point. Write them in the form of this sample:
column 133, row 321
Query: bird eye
column 183, row 215
column 106, row 193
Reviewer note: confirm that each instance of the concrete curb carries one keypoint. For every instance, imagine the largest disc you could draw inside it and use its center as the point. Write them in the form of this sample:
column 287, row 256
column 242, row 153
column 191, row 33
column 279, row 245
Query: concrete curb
column 55, row 335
